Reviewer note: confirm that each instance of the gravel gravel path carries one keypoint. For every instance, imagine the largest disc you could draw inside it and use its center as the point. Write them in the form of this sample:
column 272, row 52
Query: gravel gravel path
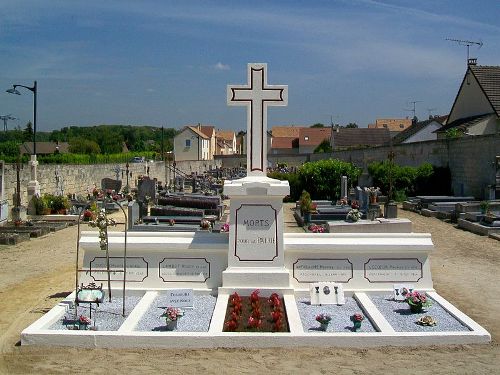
column 340, row 316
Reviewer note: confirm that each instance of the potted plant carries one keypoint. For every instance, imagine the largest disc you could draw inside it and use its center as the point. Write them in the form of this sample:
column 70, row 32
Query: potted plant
column 39, row 204
column 417, row 301
column 172, row 316
column 356, row 320
column 372, row 193
column 87, row 215
column 484, row 206
column 353, row 215
column 306, row 206
column 84, row 322
column 324, row 320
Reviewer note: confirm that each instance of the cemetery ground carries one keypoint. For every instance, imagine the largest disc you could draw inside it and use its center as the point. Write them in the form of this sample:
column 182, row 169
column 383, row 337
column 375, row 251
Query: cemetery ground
column 35, row 275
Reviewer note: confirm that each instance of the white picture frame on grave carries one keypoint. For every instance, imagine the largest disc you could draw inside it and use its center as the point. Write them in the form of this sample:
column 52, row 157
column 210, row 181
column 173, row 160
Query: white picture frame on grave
column 327, row 294
column 397, row 291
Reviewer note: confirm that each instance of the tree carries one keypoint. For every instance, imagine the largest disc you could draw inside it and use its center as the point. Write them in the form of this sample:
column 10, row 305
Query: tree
column 318, row 125
column 351, row 125
column 83, row 146
column 28, row 132
column 324, row 146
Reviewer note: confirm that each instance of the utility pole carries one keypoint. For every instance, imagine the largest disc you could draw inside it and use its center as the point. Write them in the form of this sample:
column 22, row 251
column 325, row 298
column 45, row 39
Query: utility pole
column 6, row 118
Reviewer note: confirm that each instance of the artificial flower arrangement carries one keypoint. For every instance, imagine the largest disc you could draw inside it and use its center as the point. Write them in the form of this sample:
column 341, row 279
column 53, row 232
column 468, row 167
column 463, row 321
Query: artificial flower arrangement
column 355, row 205
column 353, row 215
column 84, row 322
column 172, row 314
column 225, row 228
column 255, row 313
column 416, row 300
column 343, row 202
column 356, row 319
column 323, row 319
column 316, row 228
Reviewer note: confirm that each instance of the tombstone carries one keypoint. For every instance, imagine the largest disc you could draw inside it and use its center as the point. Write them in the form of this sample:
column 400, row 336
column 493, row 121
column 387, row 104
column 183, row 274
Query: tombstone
column 343, row 187
column 4, row 206
column 358, row 191
column 256, row 253
column 59, row 182
column 133, row 213
column 110, row 184
column 146, row 188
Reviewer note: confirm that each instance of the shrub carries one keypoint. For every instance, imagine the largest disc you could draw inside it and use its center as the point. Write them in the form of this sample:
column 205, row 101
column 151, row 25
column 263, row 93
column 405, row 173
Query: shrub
column 322, row 178
column 410, row 181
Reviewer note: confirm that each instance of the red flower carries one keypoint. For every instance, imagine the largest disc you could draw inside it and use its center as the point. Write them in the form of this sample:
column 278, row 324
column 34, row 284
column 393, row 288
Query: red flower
column 254, row 296
column 231, row 325
column 254, row 323
column 276, row 315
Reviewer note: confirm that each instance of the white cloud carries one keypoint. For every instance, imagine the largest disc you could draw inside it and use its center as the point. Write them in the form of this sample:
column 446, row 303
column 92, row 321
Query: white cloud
column 221, row 66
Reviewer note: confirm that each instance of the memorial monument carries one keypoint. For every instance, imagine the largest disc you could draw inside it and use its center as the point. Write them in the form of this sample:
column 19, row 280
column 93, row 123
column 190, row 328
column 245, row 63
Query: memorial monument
column 353, row 272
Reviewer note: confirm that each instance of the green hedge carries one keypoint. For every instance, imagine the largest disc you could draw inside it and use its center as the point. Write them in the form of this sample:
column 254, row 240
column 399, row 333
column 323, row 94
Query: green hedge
column 320, row 178
column 410, row 181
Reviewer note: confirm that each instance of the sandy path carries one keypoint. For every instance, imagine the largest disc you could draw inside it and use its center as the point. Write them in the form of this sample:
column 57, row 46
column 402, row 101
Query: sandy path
column 34, row 275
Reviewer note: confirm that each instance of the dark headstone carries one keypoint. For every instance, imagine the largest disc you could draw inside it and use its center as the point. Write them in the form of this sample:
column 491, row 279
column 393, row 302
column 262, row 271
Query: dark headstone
column 110, row 184
column 146, row 188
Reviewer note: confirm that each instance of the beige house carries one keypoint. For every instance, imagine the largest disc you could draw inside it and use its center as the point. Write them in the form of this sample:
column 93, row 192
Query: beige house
column 191, row 144
column 225, row 142
column 209, row 131
column 476, row 110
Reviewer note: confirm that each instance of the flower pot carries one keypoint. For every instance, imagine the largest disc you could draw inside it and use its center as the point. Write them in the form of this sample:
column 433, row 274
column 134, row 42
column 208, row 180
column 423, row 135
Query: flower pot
column 323, row 326
column 171, row 325
column 356, row 326
column 415, row 309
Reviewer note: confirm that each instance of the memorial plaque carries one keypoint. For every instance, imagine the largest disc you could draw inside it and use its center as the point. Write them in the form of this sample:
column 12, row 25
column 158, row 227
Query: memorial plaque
column 137, row 269
column 195, row 270
column 256, row 236
column 327, row 294
column 179, row 297
column 386, row 270
column 322, row 269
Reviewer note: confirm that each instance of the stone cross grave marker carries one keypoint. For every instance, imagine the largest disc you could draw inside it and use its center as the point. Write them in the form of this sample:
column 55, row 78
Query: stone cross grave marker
column 343, row 187
column 257, row 96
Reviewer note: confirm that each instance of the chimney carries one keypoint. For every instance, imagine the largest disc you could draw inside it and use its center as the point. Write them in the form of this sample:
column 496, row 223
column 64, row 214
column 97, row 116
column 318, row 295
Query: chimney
column 472, row 62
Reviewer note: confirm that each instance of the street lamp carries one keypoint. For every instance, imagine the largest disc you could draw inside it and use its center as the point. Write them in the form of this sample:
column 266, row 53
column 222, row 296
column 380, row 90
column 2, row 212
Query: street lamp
column 33, row 89
column 33, row 185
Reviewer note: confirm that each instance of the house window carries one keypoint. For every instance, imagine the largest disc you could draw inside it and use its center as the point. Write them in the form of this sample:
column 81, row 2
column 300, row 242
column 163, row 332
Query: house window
column 401, row 126
column 384, row 125
column 306, row 138
column 188, row 143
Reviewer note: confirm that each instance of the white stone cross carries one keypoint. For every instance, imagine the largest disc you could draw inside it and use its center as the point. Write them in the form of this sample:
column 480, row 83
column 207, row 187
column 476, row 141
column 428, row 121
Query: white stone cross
column 257, row 95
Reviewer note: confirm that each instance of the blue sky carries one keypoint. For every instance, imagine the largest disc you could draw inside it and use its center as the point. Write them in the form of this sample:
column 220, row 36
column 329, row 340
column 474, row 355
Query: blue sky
column 169, row 62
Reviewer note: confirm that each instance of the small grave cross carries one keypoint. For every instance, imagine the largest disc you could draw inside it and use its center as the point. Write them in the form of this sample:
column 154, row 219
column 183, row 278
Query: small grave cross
column 257, row 95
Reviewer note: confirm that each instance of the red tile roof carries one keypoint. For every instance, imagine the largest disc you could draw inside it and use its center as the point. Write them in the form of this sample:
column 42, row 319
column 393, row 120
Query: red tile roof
column 314, row 136
column 286, row 131
column 283, row 142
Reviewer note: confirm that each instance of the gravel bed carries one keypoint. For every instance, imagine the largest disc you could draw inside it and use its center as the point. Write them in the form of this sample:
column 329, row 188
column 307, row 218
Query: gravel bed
column 340, row 316
column 402, row 320
column 107, row 316
column 196, row 319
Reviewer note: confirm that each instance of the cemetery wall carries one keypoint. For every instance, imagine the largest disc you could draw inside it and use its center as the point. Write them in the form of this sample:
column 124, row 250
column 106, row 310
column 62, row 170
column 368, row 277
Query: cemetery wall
column 471, row 159
column 76, row 179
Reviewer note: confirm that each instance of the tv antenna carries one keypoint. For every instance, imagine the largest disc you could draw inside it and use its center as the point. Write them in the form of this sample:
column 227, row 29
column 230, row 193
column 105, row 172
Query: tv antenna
column 430, row 110
column 467, row 43
column 414, row 110
column 6, row 118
